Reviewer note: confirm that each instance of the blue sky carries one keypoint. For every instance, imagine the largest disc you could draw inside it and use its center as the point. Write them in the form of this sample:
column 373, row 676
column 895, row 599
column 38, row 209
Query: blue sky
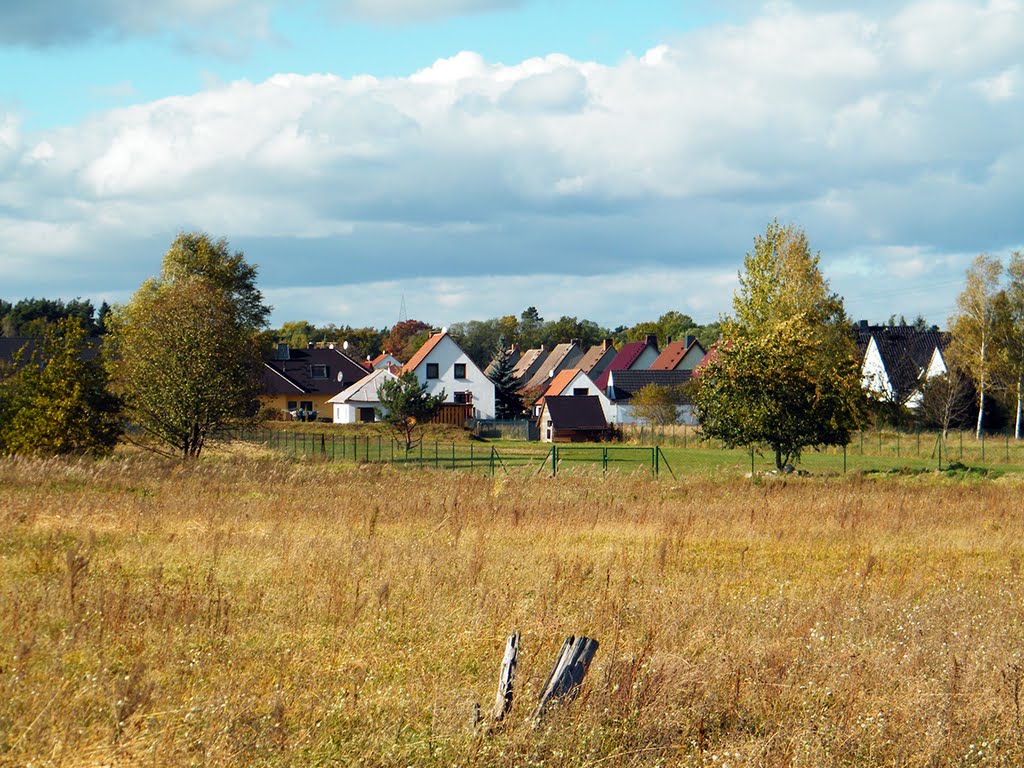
column 599, row 159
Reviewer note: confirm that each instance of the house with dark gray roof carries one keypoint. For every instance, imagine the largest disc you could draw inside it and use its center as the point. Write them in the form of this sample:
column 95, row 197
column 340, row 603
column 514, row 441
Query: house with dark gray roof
column 306, row 379
column 572, row 419
column 898, row 360
column 623, row 385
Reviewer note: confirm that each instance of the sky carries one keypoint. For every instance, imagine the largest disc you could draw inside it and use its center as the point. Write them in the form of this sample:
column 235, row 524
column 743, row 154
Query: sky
column 598, row 159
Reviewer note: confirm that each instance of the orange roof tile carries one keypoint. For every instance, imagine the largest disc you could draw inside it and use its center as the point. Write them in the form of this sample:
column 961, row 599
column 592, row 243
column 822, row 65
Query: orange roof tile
column 423, row 351
column 560, row 382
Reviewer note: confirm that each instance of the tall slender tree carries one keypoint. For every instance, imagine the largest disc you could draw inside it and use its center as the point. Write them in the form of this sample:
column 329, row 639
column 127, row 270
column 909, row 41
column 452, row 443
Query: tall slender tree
column 975, row 328
column 1011, row 332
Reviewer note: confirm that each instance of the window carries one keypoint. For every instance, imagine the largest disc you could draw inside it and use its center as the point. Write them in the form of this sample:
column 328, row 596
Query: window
column 463, row 398
column 432, row 371
column 367, row 414
column 292, row 405
column 460, row 370
column 580, row 391
column 307, row 405
column 319, row 371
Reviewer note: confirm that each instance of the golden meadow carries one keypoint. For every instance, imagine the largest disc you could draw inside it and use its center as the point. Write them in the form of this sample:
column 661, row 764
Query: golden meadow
column 250, row 610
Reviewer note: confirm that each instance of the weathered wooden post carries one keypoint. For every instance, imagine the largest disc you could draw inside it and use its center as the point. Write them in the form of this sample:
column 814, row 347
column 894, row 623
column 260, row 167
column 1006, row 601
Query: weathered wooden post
column 568, row 673
column 506, row 678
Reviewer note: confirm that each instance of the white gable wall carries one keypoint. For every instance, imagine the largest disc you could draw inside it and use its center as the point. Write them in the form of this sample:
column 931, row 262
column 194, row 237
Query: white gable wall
column 873, row 376
column 446, row 354
column 646, row 359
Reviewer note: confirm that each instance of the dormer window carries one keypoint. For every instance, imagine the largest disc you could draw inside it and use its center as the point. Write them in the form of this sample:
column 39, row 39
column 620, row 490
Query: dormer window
column 318, row 371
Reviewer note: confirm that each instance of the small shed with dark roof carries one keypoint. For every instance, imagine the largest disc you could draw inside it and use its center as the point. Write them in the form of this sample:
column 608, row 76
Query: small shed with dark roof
column 569, row 419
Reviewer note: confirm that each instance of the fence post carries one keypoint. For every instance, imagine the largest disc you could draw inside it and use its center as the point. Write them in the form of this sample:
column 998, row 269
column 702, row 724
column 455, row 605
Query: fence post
column 751, row 462
column 554, row 459
column 380, row 448
column 844, row 458
column 604, row 459
column 939, row 439
column 657, row 468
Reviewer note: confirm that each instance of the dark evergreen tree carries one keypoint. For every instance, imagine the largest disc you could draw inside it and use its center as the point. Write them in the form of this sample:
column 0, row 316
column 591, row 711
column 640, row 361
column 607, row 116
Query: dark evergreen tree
column 506, row 402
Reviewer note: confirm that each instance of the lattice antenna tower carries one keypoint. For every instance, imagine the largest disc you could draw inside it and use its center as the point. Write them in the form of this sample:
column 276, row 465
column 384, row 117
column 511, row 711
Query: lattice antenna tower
column 403, row 315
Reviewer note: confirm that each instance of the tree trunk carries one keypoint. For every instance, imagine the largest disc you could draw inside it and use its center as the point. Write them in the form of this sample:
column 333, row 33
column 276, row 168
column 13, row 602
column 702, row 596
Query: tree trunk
column 981, row 411
column 778, row 457
column 1020, row 404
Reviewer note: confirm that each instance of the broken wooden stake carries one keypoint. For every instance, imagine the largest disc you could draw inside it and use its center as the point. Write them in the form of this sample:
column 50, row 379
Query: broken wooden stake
column 567, row 674
column 507, row 678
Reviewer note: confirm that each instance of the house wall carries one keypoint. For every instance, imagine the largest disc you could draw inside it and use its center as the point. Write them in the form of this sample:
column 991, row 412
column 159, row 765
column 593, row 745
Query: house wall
column 936, row 367
column 348, row 413
column 581, row 380
column 320, row 404
column 691, row 359
column 646, row 359
column 446, row 354
column 873, row 376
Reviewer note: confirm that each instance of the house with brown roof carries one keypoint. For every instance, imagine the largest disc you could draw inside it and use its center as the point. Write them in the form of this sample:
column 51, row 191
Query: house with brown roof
column 569, row 419
column 682, row 355
column 306, row 379
column 634, row 356
column 598, row 358
column 442, row 365
column 529, row 364
column 562, row 356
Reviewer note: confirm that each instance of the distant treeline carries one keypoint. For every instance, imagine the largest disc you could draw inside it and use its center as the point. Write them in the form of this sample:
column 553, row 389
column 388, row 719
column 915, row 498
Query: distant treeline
column 30, row 317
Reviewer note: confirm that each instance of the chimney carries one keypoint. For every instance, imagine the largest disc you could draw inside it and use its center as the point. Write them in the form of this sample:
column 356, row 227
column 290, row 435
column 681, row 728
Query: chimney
column 283, row 352
column 652, row 339
column 689, row 340
column 574, row 342
column 863, row 324
column 606, row 344
column 310, row 345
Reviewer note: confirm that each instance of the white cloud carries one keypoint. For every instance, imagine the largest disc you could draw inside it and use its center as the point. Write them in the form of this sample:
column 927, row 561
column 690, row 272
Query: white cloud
column 673, row 159
column 418, row 10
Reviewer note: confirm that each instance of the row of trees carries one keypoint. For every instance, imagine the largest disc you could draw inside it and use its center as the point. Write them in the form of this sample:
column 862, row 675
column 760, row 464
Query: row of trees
column 180, row 360
column 988, row 333
column 33, row 317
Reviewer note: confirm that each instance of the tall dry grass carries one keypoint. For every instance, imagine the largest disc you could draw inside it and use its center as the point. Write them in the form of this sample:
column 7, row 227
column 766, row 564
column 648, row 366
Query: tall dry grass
column 243, row 612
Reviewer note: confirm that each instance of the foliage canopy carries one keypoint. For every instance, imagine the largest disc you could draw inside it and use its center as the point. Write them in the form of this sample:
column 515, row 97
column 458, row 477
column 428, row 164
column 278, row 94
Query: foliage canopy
column 406, row 405
column 785, row 375
column 188, row 345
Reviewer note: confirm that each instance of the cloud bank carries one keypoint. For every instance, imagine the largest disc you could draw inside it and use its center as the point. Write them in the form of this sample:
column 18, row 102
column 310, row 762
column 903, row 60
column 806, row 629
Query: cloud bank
column 895, row 140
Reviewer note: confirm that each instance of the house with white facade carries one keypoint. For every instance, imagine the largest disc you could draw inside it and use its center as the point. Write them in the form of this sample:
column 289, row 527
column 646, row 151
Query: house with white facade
column 360, row 403
column 574, row 383
column 622, row 385
column 441, row 364
column 898, row 360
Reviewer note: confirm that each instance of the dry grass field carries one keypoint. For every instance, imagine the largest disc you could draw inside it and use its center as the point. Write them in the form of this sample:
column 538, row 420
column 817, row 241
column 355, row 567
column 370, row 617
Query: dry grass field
column 253, row 611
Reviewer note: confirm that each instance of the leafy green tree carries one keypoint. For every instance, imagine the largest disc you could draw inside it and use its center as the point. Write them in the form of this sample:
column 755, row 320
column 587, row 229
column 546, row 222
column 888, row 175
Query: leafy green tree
column 405, row 338
column 658, row 405
column 566, row 328
column 57, row 401
column 507, row 404
column 530, row 323
column 196, row 254
column 786, row 374
column 188, row 347
column 406, row 406
column 976, row 328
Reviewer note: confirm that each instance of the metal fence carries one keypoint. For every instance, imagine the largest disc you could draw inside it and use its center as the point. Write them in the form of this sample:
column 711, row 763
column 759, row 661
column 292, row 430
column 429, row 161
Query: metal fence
column 681, row 451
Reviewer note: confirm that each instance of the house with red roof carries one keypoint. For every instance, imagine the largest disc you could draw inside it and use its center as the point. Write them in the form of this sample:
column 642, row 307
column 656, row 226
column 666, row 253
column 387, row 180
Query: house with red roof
column 682, row 355
column 442, row 365
column 385, row 360
column 634, row 356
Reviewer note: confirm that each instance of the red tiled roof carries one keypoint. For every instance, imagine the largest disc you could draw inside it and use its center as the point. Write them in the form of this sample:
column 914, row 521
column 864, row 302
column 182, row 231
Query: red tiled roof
column 672, row 355
column 560, row 382
column 626, row 357
column 423, row 351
